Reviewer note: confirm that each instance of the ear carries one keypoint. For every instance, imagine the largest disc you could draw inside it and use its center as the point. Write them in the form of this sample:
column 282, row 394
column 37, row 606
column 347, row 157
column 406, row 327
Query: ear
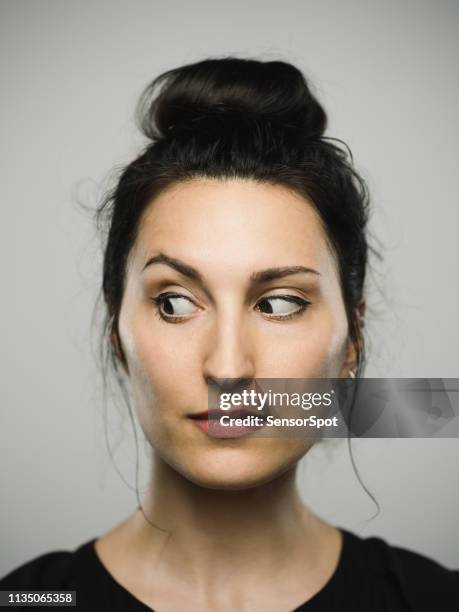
column 350, row 359
column 119, row 351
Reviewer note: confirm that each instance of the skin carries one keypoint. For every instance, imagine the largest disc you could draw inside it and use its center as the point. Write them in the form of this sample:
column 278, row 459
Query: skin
column 232, row 506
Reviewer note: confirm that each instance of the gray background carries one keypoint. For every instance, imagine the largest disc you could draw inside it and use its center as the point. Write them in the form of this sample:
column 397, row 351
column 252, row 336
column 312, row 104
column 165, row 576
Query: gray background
column 71, row 73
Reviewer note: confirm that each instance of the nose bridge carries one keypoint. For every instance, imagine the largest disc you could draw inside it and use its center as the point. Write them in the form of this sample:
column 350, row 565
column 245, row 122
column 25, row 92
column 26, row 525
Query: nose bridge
column 230, row 351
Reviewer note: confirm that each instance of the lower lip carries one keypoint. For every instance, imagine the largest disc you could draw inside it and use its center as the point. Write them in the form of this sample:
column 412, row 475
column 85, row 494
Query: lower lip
column 218, row 430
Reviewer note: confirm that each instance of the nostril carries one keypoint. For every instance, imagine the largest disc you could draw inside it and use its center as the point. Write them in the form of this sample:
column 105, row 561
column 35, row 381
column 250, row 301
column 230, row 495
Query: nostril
column 230, row 385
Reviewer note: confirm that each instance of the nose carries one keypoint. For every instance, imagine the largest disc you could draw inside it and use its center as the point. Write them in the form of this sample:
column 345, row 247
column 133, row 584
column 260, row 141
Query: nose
column 229, row 361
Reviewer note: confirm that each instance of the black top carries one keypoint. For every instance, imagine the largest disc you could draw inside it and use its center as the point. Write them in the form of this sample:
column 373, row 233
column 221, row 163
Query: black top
column 371, row 576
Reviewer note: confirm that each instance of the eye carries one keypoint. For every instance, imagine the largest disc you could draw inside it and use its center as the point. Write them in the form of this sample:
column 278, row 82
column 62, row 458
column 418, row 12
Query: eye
column 280, row 306
column 173, row 306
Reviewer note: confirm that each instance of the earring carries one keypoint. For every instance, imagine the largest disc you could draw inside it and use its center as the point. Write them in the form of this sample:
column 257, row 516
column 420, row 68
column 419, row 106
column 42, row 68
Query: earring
column 351, row 373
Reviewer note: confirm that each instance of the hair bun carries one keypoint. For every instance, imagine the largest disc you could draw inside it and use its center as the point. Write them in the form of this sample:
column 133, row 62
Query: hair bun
column 230, row 88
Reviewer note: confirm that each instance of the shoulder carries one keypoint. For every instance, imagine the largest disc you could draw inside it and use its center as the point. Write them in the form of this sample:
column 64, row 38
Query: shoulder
column 50, row 570
column 420, row 580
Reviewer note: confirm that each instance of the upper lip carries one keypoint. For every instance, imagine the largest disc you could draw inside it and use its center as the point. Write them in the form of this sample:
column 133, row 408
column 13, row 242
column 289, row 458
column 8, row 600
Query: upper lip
column 233, row 411
column 217, row 413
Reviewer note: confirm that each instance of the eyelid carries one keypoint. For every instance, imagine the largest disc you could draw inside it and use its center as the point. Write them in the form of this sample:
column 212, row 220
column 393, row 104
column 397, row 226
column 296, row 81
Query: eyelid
column 302, row 303
column 170, row 294
column 182, row 284
column 164, row 294
column 310, row 286
column 304, row 289
column 286, row 295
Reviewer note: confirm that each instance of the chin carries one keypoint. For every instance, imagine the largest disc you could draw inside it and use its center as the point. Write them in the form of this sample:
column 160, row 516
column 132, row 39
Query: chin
column 235, row 473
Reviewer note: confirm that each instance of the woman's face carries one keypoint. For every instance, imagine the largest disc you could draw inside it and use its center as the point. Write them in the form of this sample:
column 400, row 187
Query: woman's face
column 226, row 322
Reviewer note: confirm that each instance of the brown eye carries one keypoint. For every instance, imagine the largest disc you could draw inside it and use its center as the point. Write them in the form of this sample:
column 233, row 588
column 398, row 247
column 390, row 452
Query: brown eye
column 173, row 306
column 283, row 306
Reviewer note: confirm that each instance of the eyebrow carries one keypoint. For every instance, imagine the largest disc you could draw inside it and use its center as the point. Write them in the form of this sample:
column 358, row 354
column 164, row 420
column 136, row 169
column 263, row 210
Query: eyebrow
column 261, row 276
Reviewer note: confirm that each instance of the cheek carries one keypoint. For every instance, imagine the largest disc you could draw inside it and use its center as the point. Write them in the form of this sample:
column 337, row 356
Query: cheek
column 330, row 340
column 314, row 349
column 155, row 350
column 160, row 365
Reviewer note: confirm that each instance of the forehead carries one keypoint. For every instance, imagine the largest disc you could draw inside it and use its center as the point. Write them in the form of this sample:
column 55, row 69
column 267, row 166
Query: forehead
column 233, row 220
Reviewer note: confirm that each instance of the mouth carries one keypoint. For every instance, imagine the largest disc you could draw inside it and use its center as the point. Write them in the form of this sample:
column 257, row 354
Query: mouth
column 235, row 423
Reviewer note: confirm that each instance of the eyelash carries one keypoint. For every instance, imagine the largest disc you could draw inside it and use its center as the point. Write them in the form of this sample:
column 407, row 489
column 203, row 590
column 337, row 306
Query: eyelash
column 160, row 299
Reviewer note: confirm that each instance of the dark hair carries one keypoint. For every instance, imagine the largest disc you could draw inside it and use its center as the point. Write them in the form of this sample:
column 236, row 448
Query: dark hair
column 236, row 118
column 245, row 118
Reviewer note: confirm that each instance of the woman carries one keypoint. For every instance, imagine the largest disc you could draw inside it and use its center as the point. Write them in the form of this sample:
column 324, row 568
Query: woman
column 236, row 250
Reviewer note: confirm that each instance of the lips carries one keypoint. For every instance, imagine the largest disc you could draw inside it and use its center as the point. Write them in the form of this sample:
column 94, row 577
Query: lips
column 210, row 423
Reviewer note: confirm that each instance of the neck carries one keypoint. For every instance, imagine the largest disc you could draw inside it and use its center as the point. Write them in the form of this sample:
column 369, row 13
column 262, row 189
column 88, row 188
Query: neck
column 215, row 531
